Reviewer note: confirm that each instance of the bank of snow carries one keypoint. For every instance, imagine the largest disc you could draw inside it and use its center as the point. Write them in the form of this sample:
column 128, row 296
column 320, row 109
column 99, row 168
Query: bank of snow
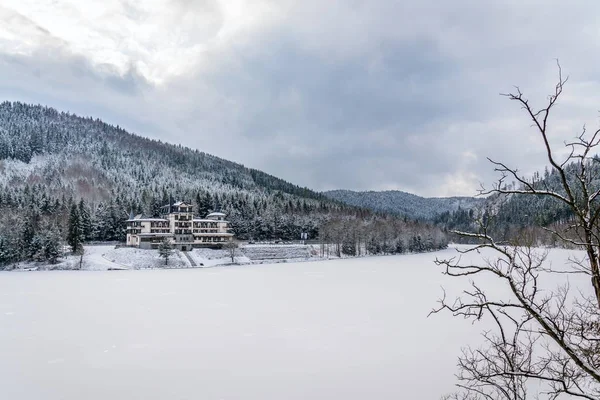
column 278, row 252
column 134, row 258
column 107, row 257
column 111, row 257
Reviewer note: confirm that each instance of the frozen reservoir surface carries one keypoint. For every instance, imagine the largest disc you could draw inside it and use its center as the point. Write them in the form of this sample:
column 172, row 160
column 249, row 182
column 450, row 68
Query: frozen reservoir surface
column 343, row 329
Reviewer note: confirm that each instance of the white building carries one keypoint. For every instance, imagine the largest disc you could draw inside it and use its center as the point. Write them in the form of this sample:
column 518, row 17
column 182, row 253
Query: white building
column 177, row 223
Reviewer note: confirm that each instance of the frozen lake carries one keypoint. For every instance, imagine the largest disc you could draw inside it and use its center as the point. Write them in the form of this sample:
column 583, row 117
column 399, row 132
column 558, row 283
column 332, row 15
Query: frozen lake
column 344, row 329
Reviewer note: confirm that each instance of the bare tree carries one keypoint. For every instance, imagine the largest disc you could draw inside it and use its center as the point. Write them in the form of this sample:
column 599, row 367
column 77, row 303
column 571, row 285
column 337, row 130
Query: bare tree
column 231, row 247
column 544, row 333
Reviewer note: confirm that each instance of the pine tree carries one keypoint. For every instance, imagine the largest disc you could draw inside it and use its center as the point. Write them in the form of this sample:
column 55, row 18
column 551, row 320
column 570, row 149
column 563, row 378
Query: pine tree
column 85, row 220
column 216, row 202
column 52, row 247
column 28, row 232
column 75, row 231
column 36, row 248
column 204, row 203
column 5, row 251
column 165, row 250
column 100, row 223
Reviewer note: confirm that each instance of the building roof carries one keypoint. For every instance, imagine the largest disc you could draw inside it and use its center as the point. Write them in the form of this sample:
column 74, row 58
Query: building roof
column 140, row 218
column 206, row 220
column 177, row 204
column 216, row 214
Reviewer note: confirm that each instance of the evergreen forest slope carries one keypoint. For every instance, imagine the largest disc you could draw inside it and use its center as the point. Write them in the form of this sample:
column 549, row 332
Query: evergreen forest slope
column 402, row 203
column 58, row 169
column 527, row 219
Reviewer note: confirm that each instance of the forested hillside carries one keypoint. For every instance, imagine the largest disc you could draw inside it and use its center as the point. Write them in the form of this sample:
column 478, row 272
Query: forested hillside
column 523, row 218
column 67, row 178
column 516, row 218
column 402, row 203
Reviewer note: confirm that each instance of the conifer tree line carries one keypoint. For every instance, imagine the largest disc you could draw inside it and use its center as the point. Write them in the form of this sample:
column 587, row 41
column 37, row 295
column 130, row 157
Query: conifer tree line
column 530, row 219
column 67, row 180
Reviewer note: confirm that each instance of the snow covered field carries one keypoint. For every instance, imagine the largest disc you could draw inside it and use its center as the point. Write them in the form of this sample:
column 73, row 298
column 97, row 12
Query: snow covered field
column 106, row 257
column 103, row 257
column 277, row 252
column 342, row 329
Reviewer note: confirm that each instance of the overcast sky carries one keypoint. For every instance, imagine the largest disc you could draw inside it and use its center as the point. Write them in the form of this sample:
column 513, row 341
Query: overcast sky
column 363, row 95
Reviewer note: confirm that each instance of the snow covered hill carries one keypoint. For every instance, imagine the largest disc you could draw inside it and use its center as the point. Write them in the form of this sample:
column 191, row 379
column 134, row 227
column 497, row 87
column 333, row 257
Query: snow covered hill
column 402, row 203
column 58, row 170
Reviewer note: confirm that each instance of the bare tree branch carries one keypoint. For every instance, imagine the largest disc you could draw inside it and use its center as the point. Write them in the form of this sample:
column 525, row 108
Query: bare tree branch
column 550, row 335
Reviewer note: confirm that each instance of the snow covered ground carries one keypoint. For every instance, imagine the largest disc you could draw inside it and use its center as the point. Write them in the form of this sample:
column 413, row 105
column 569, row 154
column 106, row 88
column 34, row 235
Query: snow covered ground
column 277, row 252
column 102, row 257
column 342, row 329
column 137, row 259
column 213, row 258
column 107, row 257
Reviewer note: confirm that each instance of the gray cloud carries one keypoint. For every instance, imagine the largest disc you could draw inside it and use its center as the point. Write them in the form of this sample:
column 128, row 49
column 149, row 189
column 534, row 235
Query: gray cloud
column 336, row 95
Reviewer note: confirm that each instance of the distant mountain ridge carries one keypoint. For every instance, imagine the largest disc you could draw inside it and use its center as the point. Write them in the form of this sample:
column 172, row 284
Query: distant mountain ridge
column 403, row 203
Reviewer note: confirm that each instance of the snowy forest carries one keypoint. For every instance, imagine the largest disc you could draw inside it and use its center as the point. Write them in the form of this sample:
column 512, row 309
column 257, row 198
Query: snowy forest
column 526, row 220
column 508, row 218
column 405, row 204
column 68, row 180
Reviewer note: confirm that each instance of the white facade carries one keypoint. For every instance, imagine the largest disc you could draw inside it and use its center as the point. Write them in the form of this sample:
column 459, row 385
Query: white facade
column 178, row 225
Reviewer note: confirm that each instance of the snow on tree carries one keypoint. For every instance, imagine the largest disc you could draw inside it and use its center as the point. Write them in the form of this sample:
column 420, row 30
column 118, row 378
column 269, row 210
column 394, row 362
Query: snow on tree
column 165, row 250
column 75, row 231
column 52, row 160
column 231, row 248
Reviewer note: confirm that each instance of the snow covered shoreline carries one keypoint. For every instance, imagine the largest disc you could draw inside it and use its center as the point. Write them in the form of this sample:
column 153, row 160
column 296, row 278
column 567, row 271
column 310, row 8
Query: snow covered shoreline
column 106, row 257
